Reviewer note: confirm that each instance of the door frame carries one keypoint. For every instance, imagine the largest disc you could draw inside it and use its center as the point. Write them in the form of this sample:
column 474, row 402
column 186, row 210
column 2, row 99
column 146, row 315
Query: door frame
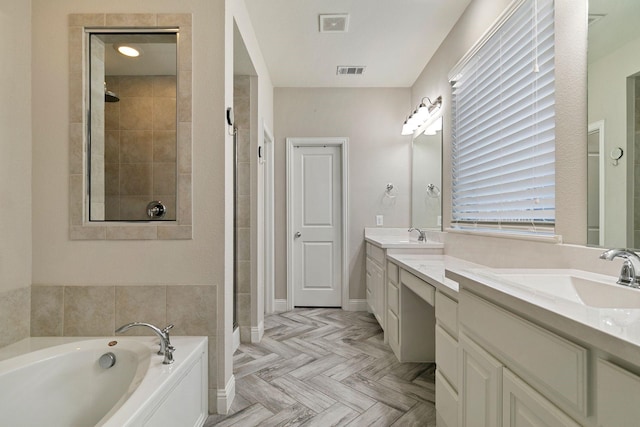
column 342, row 144
column 598, row 126
column 269, row 241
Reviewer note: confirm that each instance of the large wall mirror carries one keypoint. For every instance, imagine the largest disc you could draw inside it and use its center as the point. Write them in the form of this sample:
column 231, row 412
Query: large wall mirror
column 613, row 146
column 426, row 178
column 130, row 126
column 132, row 138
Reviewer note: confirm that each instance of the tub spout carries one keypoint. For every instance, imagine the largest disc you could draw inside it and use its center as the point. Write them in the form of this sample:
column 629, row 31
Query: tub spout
column 166, row 348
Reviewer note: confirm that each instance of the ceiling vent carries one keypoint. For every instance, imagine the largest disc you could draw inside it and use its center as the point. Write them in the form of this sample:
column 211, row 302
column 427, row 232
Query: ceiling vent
column 334, row 23
column 350, row 70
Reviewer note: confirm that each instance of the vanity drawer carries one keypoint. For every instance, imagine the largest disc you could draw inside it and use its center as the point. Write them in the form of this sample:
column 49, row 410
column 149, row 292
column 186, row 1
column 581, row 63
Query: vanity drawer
column 615, row 386
column 550, row 363
column 375, row 253
column 393, row 298
column 446, row 401
column 418, row 286
column 447, row 356
column 392, row 272
column 447, row 313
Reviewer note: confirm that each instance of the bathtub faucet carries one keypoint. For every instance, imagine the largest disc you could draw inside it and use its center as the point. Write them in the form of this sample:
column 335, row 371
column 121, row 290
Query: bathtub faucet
column 166, row 348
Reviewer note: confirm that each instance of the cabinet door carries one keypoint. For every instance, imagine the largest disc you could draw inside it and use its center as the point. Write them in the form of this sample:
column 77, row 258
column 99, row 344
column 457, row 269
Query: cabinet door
column 370, row 285
column 522, row 406
column 480, row 391
column 618, row 393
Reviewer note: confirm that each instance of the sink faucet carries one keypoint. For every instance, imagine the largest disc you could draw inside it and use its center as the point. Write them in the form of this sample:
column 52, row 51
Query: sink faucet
column 630, row 268
column 422, row 237
column 166, row 348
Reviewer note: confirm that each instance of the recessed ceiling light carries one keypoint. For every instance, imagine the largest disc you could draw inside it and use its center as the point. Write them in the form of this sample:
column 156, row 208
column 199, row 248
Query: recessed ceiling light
column 334, row 23
column 128, row 50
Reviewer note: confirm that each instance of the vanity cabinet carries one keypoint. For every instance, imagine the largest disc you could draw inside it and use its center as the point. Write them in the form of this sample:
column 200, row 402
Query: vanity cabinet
column 376, row 298
column 618, row 394
column 515, row 373
column 410, row 316
column 446, row 360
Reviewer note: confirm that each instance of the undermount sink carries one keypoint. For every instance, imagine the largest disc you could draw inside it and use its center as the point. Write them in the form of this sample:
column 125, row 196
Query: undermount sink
column 589, row 289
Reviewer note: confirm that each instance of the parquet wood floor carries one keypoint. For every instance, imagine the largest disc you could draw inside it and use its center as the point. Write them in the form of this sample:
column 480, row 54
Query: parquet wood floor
column 327, row 367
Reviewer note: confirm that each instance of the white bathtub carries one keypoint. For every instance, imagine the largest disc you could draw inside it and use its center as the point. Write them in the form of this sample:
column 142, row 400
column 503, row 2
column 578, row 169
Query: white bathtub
column 58, row 382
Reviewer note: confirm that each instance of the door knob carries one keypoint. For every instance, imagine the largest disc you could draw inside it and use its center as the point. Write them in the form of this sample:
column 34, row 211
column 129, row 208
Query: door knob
column 298, row 234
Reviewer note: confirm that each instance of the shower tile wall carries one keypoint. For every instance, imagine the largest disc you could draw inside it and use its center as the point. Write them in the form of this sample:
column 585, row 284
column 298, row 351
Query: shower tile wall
column 241, row 103
column 140, row 146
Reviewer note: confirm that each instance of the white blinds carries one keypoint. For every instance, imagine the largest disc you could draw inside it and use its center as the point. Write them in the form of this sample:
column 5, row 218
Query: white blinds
column 503, row 149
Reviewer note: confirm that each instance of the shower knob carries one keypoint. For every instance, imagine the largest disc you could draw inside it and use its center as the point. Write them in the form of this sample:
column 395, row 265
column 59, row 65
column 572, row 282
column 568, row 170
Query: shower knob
column 156, row 209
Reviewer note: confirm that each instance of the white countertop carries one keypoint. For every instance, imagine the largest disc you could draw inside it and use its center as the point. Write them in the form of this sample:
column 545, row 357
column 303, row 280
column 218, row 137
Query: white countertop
column 614, row 330
column 431, row 269
column 400, row 238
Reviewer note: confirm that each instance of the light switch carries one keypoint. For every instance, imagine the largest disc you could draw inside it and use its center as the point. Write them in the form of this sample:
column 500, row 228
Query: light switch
column 379, row 220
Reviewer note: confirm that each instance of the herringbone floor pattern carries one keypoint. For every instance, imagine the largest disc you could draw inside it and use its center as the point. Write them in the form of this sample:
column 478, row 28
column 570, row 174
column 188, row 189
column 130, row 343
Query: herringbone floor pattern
column 327, row 367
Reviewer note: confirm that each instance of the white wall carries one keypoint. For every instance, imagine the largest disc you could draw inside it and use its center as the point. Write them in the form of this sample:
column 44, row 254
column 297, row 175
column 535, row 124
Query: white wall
column 15, row 169
column 378, row 154
column 608, row 102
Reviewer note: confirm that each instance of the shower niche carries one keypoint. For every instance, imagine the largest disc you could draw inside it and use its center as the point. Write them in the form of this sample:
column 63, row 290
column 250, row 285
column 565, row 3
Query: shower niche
column 133, row 126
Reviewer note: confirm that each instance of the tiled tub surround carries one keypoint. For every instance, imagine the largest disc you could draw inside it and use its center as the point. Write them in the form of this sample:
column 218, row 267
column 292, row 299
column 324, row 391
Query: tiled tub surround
column 80, row 227
column 15, row 305
column 89, row 311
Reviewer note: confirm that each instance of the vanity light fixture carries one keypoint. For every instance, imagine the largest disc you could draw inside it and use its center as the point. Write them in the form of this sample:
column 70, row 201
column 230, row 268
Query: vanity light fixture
column 128, row 50
column 421, row 115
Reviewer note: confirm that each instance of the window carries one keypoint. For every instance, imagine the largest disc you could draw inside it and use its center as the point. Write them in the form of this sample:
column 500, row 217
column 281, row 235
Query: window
column 503, row 108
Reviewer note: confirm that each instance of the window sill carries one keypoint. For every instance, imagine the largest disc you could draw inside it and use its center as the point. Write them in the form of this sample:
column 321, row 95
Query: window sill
column 509, row 234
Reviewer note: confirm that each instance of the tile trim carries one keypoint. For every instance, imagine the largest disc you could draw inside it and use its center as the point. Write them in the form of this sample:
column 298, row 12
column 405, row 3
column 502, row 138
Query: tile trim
column 79, row 226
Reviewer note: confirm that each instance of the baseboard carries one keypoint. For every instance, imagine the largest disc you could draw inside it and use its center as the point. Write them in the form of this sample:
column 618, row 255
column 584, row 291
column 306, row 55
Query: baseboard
column 225, row 396
column 236, row 338
column 257, row 333
column 356, row 305
column 280, row 305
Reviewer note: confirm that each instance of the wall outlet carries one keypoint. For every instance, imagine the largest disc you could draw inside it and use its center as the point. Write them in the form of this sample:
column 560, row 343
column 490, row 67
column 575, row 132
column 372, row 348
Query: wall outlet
column 439, row 220
column 379, row 220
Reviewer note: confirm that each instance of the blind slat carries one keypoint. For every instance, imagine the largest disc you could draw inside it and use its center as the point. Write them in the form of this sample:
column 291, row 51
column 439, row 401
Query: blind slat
column 503, row 152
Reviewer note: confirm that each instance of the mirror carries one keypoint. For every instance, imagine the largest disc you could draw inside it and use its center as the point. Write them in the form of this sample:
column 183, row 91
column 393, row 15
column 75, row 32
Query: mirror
column 426, row 178
column 613, row 168
column 133, row 126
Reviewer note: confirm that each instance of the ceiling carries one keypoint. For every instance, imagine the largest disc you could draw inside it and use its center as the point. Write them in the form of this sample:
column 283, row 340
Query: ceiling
column 617, row 25
column 393, row 39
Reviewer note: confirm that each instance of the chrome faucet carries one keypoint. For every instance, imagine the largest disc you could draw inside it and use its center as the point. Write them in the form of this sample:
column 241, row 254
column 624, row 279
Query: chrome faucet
column 630, row 268
column 166, row 348
column 422, row 237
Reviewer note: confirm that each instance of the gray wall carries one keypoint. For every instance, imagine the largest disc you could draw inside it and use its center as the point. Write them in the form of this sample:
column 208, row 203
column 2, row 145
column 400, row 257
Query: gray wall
column 378, row 154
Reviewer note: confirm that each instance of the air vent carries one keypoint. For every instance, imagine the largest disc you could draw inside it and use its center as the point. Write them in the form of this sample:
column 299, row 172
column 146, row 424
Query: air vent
column 350, row 70
column 335, row 23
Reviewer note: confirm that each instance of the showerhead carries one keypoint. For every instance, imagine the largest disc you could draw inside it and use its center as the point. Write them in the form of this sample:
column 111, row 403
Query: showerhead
column 110, row 96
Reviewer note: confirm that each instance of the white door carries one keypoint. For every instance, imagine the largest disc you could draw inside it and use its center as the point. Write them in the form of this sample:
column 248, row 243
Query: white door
column 316, row 225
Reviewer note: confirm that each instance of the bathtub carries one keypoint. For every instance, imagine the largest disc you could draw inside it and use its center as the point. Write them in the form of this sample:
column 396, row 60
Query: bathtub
column 59, row 382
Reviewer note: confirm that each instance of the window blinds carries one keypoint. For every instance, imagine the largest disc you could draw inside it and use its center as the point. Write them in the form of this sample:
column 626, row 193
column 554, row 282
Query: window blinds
column 503, row 150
